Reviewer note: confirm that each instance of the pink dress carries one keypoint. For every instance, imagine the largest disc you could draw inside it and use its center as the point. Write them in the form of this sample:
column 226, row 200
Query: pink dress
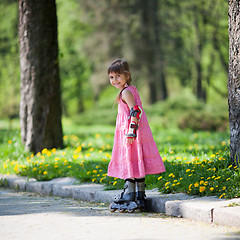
column 140, row 158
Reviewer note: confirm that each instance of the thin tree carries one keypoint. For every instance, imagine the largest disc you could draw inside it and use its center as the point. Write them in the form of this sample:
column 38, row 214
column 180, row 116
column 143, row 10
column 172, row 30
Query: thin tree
column 40, row 107
column 234, row 79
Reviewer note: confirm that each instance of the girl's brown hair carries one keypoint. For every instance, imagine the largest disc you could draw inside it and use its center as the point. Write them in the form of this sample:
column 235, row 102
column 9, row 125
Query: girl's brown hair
column 120, row 66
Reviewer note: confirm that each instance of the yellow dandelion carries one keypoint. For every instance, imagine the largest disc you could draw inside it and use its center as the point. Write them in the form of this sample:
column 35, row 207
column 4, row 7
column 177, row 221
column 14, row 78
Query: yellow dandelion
column 196, row 184
column 16, row 168
column 159, row 178
column 97, row 135
column 79, row 149
column 114, row 183
column 188, row 170
column 44, row 151
column 223, row 195
column 45, row 173
column 166, row 183
column 202, row 189
column 211, row 189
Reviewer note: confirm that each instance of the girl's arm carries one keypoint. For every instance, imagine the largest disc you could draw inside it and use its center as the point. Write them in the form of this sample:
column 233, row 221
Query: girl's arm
column 128, row 98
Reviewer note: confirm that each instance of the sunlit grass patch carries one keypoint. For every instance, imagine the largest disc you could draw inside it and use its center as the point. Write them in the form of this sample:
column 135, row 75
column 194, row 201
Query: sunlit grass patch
column 197, row 163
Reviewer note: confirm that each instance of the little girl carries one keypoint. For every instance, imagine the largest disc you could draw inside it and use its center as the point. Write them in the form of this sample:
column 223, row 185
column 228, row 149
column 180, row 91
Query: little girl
column 134, row 153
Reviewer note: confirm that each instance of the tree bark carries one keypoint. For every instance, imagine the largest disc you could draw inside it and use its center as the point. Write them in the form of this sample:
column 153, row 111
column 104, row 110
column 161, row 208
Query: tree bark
column 40, row 106
column 234, row 79
column 198, row 60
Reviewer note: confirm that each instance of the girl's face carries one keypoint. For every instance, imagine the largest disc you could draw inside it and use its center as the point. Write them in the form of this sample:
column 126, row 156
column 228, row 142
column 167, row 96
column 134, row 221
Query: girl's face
column 118, row 80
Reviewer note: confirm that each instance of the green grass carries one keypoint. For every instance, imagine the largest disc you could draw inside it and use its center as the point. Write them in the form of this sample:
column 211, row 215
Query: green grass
column 197, row 163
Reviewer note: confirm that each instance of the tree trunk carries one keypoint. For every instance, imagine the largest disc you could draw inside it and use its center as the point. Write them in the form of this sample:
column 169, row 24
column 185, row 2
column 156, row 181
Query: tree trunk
column 151, row 50
column 198, row 60
column 234, row 79
column 40, row 107
column 158, row 53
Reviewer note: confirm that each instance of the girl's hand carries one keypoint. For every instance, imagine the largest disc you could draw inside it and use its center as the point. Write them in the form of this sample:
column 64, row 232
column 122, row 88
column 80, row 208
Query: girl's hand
column 130, row 140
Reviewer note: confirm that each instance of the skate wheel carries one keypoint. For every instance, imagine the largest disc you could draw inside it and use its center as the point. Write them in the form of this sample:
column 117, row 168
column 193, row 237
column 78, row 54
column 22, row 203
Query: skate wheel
column 121, row 210
column 111, row 209
column 131, row 210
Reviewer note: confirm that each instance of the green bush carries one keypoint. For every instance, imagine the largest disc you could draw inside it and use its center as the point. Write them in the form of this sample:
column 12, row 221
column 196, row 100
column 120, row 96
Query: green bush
column 204, row 120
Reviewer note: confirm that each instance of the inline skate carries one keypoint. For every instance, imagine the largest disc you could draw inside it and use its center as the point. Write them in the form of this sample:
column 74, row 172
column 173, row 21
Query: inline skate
column 125, row 201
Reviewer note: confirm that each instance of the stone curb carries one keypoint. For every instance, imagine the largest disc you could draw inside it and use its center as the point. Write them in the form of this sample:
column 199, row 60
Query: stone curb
column 206, row 209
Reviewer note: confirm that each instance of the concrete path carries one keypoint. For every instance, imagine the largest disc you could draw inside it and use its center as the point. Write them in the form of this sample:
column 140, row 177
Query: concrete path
column 27, row 216
column 205, row 209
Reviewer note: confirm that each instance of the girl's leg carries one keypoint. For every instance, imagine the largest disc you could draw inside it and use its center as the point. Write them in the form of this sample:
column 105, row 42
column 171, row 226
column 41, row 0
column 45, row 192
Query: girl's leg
column 140, row 192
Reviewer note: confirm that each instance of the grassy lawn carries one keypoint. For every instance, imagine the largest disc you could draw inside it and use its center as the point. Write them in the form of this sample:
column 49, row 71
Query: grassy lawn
column 197, row 163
